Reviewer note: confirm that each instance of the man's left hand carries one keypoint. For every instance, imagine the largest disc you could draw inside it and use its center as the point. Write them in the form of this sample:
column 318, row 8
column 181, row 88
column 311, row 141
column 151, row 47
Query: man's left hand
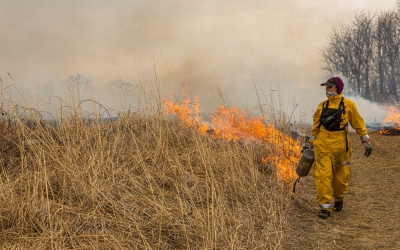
column 368, row 148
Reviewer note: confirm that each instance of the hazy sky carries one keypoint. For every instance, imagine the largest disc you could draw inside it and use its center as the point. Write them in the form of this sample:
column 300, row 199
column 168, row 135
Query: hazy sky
column 230, row 43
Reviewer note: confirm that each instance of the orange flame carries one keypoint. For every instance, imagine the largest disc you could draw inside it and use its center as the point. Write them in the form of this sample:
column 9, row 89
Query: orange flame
column 187, row 116
column 233, row 124
column 393, row 119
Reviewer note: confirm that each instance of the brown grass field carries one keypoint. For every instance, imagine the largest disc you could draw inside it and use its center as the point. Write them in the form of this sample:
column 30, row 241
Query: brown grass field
column 141, row 182
column 145, row 182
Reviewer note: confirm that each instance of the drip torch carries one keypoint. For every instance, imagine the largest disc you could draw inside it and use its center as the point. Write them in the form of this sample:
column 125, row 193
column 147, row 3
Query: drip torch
column 306, row 161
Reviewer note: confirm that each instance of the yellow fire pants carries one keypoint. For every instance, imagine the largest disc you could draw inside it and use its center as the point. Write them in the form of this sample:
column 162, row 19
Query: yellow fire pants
column 331, row 166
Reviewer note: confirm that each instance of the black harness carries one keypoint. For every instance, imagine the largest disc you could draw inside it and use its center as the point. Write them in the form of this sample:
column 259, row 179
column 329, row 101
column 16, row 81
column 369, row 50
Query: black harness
column 331, row 118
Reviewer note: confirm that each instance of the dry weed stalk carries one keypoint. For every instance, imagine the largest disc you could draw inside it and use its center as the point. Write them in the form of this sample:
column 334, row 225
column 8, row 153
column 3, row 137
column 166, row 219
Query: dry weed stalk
column 139, row 182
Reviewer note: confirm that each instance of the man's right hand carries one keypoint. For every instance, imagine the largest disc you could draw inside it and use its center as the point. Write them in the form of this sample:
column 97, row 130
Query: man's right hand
column 306, row 146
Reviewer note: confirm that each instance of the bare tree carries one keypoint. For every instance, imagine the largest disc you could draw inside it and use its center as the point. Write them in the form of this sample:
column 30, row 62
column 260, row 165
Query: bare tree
column 391, row 47
column 367, row 51
column 381, row 55
column 335, row 56
column 349, row 52
column 362, row 44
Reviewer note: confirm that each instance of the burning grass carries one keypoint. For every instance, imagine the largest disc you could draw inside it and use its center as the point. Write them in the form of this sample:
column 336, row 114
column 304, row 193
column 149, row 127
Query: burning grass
column 392, row 121
column 140, row 182
column 388, row 130
column 232, row 124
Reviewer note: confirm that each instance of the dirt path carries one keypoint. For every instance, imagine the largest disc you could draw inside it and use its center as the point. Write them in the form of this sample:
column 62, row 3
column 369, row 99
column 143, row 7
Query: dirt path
column 370, row 218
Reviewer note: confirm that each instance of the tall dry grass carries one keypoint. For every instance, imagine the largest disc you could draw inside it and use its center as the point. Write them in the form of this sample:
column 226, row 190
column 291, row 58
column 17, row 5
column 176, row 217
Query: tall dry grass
column 140, row 182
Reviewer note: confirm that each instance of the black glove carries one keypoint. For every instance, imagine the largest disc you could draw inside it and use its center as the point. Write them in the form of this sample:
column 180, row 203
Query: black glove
column 368, row 148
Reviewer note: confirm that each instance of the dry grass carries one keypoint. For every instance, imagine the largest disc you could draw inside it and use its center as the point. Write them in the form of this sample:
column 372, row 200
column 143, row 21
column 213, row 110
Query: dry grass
column 141, row 182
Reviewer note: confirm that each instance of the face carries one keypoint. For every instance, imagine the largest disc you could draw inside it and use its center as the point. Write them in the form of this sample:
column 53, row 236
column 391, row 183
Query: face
column 331, row 89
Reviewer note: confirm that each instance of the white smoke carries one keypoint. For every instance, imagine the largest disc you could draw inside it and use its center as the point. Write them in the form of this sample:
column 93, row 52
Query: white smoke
column 371, row 112
column 210, row 44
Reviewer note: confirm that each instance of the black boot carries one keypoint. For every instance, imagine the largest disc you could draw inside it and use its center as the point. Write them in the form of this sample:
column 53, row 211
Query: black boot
column 324, row 213
column 338, row 206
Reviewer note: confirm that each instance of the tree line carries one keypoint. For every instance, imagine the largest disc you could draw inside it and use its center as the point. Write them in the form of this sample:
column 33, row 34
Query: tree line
column 367, row 53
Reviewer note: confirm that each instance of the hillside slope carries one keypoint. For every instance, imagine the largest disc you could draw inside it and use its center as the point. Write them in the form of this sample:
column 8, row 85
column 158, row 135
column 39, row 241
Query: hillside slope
column 370, row 218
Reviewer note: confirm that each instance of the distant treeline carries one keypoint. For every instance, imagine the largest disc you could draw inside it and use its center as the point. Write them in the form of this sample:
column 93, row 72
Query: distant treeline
column 367, row 53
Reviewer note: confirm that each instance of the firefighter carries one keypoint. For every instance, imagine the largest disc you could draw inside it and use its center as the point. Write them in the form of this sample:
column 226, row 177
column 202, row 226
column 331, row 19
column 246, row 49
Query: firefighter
column 332, row 146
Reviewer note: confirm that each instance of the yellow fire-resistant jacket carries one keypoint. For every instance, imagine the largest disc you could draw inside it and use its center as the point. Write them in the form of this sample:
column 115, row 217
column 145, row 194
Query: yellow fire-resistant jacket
column 332, row 151
column 351, row 115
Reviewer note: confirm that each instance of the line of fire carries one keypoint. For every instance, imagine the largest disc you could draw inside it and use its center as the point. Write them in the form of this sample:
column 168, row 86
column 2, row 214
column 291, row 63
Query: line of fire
column 233, row 124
